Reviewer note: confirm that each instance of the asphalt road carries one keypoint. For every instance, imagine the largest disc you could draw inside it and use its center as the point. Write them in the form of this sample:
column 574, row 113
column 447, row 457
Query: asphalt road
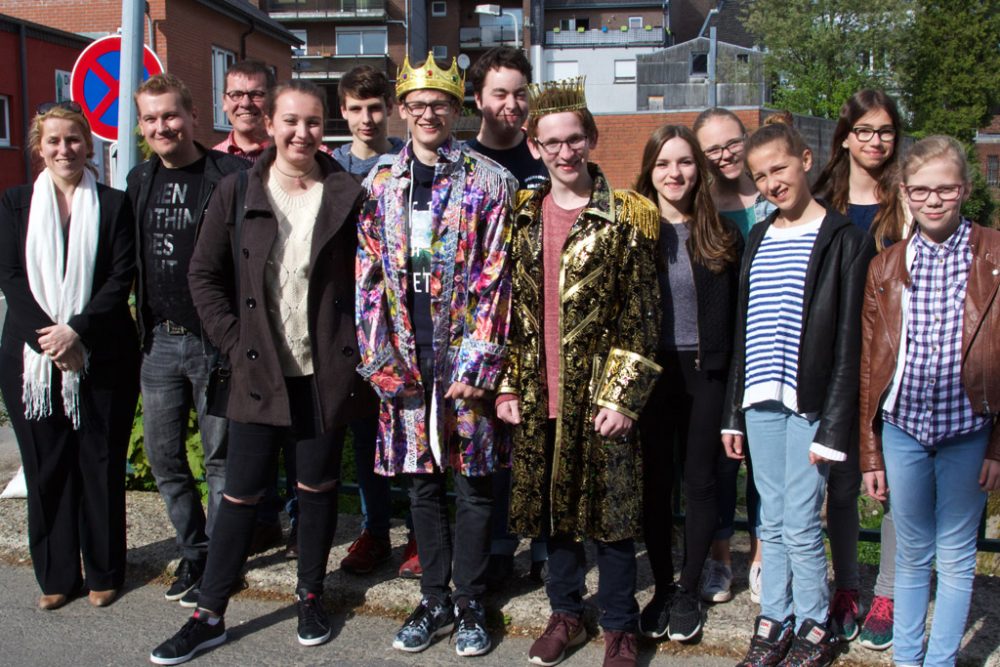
column 261, row 632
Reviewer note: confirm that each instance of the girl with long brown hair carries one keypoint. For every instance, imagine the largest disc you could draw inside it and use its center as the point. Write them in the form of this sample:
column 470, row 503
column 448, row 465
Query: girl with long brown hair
column 698, row 267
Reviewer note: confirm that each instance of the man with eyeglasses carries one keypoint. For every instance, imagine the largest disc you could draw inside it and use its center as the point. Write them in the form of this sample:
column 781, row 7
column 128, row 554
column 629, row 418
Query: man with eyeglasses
column 432, row 307
column 169, row 194
column 580, row 367
column 244, row 100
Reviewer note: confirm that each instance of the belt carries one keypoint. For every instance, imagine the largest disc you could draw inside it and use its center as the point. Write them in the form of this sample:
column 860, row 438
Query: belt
column 174, row 329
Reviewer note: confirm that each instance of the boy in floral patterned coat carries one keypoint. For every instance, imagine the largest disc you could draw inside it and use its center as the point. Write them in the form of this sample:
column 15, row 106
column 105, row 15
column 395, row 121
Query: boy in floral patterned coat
column 432, row 304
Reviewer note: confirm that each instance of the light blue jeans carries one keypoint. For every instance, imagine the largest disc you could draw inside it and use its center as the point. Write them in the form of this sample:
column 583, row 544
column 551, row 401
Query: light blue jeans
column 936, row 506
column 793, row 577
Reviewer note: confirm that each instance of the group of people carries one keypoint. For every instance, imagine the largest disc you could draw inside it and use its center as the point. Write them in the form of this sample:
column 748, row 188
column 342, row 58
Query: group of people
column 496, row 309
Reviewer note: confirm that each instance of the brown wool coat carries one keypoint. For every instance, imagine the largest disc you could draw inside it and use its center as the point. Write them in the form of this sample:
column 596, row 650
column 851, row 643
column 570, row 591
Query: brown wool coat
column 242, row 331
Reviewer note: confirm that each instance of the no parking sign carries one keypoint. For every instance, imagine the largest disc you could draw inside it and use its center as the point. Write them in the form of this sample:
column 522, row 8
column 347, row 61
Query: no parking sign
column 94, row 83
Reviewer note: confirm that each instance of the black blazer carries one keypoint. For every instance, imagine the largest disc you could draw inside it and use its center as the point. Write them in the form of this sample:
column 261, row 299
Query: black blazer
column 830, row 343
column 105, row 326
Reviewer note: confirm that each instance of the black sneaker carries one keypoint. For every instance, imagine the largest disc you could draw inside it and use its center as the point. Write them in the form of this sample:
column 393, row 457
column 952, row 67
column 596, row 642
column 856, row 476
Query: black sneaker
column 654, row 618
column 196, row 635
column 186, row 576
column 190, row 599
column 314, row 627
column 814, row 646
column 471, row 637
column 770, row 643
column 685, row 616
column 431, row 619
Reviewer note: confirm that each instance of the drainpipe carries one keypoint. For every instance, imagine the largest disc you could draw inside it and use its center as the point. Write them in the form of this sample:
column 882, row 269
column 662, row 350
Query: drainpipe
column 22, row 38
column 713, row 49
column 243, row 39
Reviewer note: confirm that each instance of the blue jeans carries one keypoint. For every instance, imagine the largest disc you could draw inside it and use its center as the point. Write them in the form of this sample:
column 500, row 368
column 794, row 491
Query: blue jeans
column 793, row 579
column 616, row 571
column 174, row 374
column 936, row 507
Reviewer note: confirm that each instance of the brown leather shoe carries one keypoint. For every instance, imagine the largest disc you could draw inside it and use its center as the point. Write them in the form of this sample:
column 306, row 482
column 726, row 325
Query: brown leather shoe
column 102, row 598
column 563, row 631
column 620, row 648
column 53, row 601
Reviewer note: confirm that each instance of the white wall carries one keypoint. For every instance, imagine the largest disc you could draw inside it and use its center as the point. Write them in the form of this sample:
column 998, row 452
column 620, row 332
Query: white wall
column 598, row 65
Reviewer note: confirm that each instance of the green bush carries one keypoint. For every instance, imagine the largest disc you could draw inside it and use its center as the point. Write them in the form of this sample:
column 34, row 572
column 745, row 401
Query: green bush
column 140, row 476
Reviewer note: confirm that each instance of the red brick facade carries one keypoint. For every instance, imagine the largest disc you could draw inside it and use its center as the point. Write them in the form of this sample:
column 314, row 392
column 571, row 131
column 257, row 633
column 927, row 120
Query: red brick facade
column 184, row 33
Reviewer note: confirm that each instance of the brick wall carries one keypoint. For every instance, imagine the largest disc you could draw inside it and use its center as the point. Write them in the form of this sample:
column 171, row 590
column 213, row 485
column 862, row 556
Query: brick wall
column 623, row 136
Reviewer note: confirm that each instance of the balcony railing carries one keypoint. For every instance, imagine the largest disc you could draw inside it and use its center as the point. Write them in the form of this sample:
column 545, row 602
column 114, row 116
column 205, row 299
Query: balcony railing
column 655, row 36
column 485, row 36
column 305, row 10
column 328, row 67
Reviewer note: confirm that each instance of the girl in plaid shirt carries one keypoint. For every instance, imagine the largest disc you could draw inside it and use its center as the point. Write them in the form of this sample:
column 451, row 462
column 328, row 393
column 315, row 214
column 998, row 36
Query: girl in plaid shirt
column 929, row 396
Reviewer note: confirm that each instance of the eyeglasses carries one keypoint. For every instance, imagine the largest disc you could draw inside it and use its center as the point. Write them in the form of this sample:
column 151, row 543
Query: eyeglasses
column 865, row 134
column 255, row 95
column 920, row 193
column 554, row 146
column 69, row 105
column 733, row 147
column 417, row 109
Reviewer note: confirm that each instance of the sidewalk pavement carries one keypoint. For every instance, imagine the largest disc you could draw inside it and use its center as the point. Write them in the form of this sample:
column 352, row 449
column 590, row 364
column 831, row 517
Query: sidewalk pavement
column 521, row 608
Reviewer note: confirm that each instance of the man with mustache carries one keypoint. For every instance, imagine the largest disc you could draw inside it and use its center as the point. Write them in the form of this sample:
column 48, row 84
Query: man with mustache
column 169, row 193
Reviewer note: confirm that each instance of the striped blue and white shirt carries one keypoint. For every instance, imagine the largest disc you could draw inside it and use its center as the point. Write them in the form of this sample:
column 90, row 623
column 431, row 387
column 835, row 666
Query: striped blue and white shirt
column 774, row 314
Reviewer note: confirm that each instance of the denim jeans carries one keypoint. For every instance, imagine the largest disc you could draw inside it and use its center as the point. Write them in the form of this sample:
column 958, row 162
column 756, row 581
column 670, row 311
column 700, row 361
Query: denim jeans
column 616, row 570
column 174, row 374
column 936, row 507
column 793, row 580
column 470, row 550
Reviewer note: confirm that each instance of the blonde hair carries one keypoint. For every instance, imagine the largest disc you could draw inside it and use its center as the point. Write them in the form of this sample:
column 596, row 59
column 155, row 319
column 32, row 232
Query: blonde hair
column 935, row 147
column 64, row 113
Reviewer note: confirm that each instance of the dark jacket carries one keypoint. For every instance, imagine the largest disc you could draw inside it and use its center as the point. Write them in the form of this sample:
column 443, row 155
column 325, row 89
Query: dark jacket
column 881, row 324
column 716, row 295
column 105, row 326
column 242, row 330
column 139, row 183
column 830, row 342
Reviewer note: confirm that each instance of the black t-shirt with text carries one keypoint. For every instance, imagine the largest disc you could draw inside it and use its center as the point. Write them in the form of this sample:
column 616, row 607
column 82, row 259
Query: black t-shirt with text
column 168, row 230
column 421, row 224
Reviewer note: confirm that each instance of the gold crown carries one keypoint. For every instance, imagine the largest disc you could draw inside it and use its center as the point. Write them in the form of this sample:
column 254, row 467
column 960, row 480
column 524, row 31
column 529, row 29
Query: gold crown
column 429, row 75
column 557, row 96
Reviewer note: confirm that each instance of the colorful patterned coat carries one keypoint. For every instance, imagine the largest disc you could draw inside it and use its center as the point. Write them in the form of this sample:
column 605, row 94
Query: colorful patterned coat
column 608, row 334
column 470, row 292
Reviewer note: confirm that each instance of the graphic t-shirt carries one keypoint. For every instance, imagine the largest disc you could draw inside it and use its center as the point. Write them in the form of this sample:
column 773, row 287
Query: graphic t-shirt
column 421, row 226
column 529, row 172
column 168, row 230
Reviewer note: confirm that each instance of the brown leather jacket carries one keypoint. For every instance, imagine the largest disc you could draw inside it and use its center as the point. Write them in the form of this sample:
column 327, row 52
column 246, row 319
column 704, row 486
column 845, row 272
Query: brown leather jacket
column 881, row 320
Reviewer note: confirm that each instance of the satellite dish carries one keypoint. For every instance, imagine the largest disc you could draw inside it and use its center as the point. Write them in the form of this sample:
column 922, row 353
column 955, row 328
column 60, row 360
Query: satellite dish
column 463, row 61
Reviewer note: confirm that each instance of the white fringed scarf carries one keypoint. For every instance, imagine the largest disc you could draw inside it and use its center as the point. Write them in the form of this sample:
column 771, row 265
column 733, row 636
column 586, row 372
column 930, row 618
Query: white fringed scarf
column 60, row 281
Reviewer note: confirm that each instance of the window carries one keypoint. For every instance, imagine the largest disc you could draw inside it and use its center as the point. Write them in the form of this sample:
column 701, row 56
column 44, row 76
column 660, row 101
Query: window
column 361, row 42
column 574, row 24
column 654, row 103
column 743, row 58
column 992, row 170
column 624, row 71
column 501, row 28
column 439, row 9
column 222, row 60
column 635, row 22
column 699, row 64
column 440, row 55
column 303, row 49
column 4, row 120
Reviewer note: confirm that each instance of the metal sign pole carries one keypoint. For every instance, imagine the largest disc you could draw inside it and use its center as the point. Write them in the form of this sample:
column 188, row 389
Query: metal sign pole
column 130, row 78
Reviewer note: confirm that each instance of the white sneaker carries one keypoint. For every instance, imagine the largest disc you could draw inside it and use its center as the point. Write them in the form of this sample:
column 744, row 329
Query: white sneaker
column 754, row 577
column 717, row 582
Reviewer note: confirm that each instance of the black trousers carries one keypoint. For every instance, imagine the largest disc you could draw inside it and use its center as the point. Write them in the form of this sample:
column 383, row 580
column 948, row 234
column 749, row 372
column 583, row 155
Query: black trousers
column 680, row 425
column 76, row 478
column 250, row 465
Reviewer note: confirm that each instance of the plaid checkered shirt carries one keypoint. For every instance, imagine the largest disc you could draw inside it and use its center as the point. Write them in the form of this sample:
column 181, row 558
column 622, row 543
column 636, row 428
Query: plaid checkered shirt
column 932, row 403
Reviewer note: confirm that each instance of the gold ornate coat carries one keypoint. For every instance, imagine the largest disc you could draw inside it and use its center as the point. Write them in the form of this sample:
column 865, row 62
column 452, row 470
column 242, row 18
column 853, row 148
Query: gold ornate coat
column 609, row 328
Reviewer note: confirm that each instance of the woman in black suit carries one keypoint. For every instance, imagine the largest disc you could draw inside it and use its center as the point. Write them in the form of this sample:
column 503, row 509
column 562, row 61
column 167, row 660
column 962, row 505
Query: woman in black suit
column 69, row 358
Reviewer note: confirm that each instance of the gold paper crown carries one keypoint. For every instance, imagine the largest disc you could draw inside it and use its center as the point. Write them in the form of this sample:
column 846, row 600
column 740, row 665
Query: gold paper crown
column 430, row 76
column 557, row 96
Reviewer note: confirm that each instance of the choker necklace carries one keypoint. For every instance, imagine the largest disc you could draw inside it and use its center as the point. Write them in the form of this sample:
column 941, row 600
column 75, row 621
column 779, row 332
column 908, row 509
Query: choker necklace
column 297, row 178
